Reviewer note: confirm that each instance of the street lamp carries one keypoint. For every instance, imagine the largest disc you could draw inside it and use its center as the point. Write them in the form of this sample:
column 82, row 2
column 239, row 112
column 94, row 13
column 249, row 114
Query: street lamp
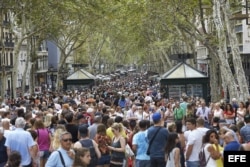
column 64, row 73
column 52, row 77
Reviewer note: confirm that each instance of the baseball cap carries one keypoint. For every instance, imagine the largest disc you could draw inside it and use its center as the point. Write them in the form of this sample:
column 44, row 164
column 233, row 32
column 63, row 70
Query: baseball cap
column 156, row 117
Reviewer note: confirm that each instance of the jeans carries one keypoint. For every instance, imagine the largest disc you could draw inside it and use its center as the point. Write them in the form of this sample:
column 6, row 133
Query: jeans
column 206, row 125
column 142, row 163
column 105, row 159
column 193, row 163
column 157, row 162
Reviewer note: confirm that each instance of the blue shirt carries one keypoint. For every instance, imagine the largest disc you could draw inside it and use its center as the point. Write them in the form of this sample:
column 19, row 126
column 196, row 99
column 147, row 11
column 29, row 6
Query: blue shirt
column 21, row 141
column 140, row 140
column 157, row 148
column 245, row 133
column 232, row 146
column 55, row 160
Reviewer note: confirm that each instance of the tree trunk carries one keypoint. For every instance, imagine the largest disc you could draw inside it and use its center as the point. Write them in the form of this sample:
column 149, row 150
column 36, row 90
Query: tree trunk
column 168, row 63
column 59, row 80
column 239, row 72
column 32, row 79
column 27, row 61
column 214, row 83
column 17, row 47
column 228, row 80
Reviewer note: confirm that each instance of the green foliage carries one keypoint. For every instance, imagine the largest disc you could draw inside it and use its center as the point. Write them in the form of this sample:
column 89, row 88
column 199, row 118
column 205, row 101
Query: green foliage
column 130, row 27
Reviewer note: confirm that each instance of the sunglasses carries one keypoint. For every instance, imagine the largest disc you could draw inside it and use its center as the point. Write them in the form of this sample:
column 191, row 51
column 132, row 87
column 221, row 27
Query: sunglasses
column 66, row 140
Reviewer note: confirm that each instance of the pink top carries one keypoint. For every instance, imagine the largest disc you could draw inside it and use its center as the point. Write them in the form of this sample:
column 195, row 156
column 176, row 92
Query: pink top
column 43, row 139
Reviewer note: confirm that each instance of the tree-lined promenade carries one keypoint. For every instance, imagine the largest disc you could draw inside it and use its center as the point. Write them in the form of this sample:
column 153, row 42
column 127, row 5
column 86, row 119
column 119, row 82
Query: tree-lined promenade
column 112, row 33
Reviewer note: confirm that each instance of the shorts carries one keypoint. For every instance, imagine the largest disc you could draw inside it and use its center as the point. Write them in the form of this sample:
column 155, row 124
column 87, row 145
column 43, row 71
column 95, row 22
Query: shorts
column 105, row 159
column 44, row 154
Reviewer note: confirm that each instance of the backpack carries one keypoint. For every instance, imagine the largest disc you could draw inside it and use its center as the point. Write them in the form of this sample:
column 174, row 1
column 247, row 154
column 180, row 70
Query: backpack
column 87, row 143
column 202, row 157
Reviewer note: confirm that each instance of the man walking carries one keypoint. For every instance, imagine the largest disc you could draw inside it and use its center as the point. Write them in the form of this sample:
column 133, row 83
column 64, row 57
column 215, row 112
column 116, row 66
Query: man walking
column 64, row 156
column 140, row 146
column 21, row 141
column 157, row 138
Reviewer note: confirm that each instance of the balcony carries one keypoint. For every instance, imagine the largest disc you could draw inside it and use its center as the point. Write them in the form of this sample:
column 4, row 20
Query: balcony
column 6, row 23
column 238, row 29
column 42, row 70
column 7, row 44
column 6, row 68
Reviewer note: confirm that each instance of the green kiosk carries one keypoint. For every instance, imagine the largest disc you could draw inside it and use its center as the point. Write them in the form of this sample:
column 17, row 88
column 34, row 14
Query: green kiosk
column 79, row 80
column 183, row 79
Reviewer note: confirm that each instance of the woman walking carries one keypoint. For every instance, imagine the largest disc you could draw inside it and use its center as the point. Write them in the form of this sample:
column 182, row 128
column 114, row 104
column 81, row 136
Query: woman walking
column 117, row 147
column 172, row 151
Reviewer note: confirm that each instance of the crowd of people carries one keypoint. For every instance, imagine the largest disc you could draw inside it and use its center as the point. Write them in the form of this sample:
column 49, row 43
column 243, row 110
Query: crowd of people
column 122, row 123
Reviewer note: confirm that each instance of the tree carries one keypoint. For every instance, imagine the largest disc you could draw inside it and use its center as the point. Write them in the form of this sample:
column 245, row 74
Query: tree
column 29, row 19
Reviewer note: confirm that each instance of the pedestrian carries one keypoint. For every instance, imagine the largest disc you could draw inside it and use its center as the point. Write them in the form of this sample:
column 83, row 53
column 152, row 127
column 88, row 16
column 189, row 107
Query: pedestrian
column 194, row 142
column 212, row 149
column 245, row 130
column 3, row 149
column 157, row 137
column 86, row 142
column 44, row 139
column 117, row 147
column 64, row 155
column 82, row 157
column 103, row 142
column 35, row 149
column 140, row 146
column 231, row 143
column 24, row 143
column 14, row 159
column 172, row 152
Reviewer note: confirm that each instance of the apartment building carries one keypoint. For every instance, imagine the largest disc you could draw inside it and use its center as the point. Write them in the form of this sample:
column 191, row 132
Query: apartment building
column 6, row 55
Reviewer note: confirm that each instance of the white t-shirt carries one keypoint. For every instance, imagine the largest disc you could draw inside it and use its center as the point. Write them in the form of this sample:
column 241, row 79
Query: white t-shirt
column 139, row 116
column 186, row 133
column 195, row 139
column 219, row 114
column 146, row 115
column 210, row 162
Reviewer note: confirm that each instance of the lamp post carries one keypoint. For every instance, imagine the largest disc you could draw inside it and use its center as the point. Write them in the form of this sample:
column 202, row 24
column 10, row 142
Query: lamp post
column 52, row 77
column 64, row 74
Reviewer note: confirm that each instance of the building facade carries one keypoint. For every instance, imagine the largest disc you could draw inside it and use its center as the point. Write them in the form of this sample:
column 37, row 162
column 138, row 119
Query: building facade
column 6, row 55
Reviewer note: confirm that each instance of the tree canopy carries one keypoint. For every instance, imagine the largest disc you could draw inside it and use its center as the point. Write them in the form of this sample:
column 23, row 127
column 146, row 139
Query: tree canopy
column 130, row 31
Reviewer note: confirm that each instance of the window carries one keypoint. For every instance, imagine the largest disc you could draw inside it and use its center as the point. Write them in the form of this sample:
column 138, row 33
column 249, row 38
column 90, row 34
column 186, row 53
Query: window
column 194, row 90
column 238, row 28
column 175, row 91
column 239, row 37
column 11, row 59
column 7, row 58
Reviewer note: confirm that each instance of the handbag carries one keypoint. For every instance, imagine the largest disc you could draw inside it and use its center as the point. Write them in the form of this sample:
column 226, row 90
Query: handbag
column 150, row 142
column 128, row 151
